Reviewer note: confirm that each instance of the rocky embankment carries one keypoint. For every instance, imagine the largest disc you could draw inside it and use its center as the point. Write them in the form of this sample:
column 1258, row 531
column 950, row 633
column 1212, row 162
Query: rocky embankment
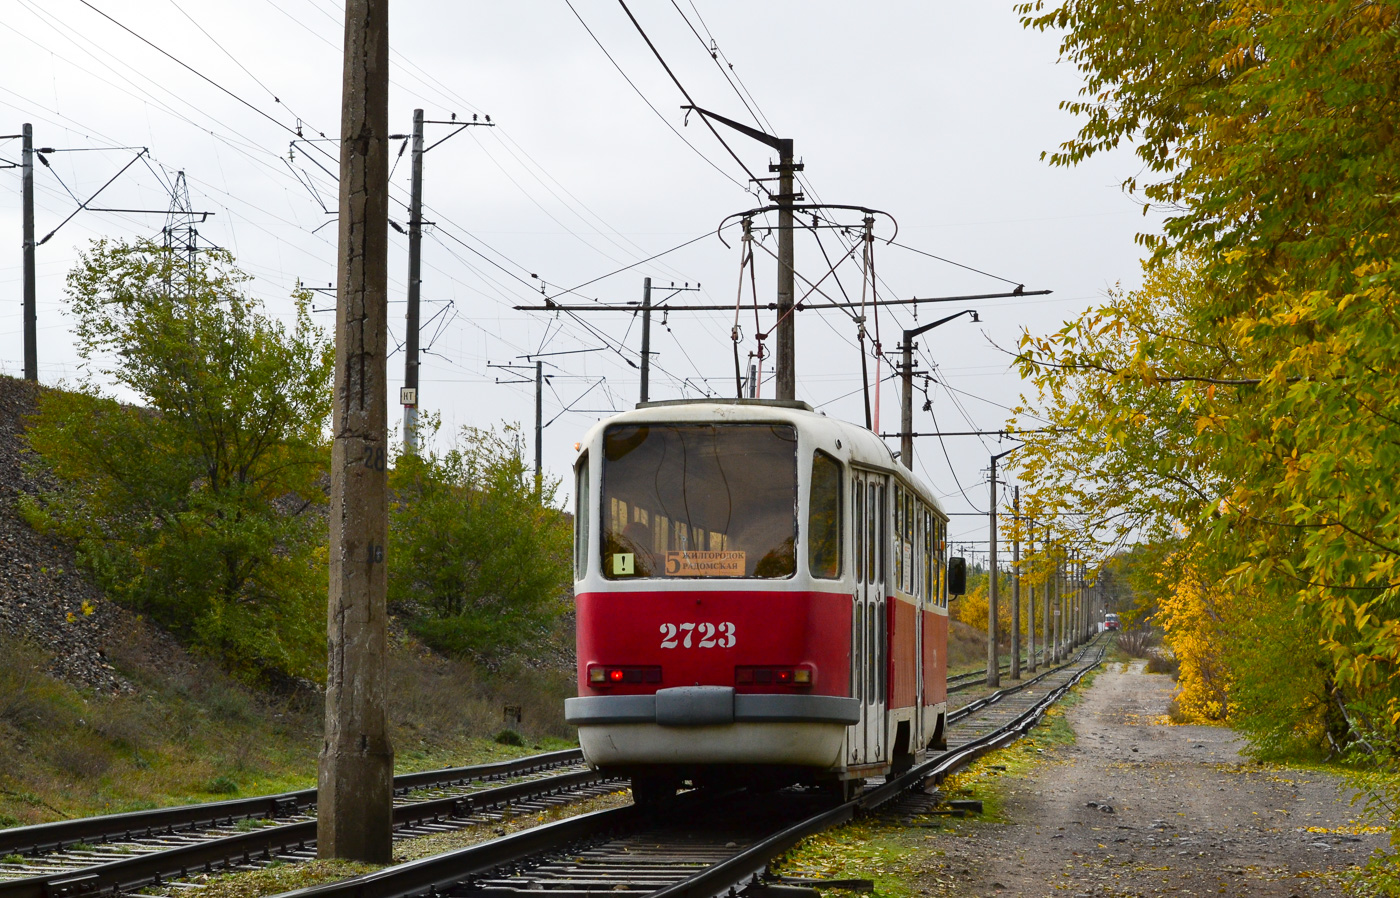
column 45, row 598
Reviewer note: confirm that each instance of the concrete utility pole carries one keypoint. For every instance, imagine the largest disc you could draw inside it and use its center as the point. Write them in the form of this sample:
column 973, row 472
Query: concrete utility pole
column 646, row 339
column 1016, row 586
column 1030, row 604
column 1078, row 603
column 31, row 315
column 784, row 199
column 539, row 423
column 354, row 803
column 1045, row 616
column 993, row 662
column 409, row 397
column 1081, row 632
column 787, row 319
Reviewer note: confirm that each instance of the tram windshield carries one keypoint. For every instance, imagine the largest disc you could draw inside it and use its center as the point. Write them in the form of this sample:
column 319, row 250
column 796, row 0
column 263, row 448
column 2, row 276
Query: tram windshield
column 699, row 500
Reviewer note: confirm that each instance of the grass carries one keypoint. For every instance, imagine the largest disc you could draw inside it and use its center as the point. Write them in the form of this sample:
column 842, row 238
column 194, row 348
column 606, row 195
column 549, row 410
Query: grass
column 192, row 734
column 873, row 848
column 895, row 854
column 282, row 878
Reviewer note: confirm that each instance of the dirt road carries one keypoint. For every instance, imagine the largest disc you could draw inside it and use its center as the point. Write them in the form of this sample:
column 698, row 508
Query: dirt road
column 1138, row 807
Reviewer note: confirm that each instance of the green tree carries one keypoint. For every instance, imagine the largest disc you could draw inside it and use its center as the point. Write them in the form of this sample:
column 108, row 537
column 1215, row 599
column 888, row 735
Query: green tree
column 1271, row 381
column 479, row 557
column 194, row 502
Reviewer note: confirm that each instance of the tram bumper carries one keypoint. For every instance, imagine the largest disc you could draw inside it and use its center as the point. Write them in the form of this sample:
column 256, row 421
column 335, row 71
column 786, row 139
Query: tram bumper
column 712, row 725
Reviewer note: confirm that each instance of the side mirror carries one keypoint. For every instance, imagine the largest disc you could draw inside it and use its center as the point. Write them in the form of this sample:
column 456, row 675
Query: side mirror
column 957, row 576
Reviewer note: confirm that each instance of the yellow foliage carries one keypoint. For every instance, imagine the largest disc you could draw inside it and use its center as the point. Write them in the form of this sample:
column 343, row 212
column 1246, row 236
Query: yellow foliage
column 1191, row 621
column 972, row 610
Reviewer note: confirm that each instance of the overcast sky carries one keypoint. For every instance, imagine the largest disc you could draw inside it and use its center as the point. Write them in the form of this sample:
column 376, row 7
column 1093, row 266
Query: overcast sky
column 935, row 113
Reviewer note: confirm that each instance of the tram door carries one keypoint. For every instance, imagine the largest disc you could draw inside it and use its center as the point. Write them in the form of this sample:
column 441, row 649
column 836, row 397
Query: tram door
column 868, row 642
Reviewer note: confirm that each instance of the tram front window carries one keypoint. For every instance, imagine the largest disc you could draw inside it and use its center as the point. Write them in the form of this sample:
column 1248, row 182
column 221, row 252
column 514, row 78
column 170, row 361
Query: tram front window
column 699, row 500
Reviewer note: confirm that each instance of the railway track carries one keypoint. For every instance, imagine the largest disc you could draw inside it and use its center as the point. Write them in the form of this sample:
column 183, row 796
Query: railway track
column 121, row 852
column 701, row 846
column 967, row 679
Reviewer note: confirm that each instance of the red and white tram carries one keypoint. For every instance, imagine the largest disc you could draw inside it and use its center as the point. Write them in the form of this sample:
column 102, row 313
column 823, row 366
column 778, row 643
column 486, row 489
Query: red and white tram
column 761, row 598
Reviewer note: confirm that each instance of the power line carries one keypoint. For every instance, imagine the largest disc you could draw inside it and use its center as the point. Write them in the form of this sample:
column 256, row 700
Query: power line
column 192, row 69
column 995, row 277
column 708, row 161
column 659, row 58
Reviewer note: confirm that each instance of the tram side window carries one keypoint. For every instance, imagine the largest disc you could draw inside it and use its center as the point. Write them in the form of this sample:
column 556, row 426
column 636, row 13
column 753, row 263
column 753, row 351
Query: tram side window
column 858, row 515
column 882, row 537
column 824, row 518
column 898, row 529
column 581, row 517
column 872, row 533
column 940, row 563
column 882, row 540
column 920, row 542
column 907, row 537
column 930, row 538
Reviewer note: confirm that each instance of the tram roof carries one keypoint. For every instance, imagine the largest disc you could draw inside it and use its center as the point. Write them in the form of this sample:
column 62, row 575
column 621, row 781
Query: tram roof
column 858, row 445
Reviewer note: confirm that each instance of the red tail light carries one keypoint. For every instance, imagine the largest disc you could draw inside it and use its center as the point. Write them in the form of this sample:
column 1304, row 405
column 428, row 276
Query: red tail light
column 767, row 676
column 603, row 675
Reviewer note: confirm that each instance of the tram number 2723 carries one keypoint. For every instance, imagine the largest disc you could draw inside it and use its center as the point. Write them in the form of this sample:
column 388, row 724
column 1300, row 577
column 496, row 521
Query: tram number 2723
column 712, row 636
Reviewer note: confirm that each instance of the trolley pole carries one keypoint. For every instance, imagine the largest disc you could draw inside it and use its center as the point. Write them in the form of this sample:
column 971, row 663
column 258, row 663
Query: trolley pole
column 31, row 315
column 415, row 280
column 646, row 339
column 354, row 803
column 1016, row 585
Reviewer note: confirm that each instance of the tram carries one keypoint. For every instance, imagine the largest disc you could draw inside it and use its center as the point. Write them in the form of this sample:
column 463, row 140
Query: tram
column 761, row 599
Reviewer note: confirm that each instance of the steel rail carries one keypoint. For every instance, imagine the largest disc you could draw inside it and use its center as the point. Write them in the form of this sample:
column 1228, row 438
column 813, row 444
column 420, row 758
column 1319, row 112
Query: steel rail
column 993, row 698
column 749, row 864
column 55, row 836
column 141, row 870
column 441, row 873
column 974, row 677
column 438, row 873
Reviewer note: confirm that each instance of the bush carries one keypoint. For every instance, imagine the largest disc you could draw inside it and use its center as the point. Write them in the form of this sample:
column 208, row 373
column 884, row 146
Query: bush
column 1160, row 661
column 510, row 737
column 1135, row 643
column 478, row 558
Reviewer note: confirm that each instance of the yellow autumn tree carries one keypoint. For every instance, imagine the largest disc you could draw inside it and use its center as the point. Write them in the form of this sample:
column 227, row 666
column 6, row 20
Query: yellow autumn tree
column 1191, row 619
column 972, row 608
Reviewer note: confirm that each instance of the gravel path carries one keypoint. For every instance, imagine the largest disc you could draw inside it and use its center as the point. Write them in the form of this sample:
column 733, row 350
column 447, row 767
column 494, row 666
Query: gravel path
column 1138, row 807
column 44, row 597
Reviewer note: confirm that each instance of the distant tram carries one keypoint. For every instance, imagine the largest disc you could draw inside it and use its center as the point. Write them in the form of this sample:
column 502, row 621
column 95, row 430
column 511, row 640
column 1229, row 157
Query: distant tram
column 761, row 597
